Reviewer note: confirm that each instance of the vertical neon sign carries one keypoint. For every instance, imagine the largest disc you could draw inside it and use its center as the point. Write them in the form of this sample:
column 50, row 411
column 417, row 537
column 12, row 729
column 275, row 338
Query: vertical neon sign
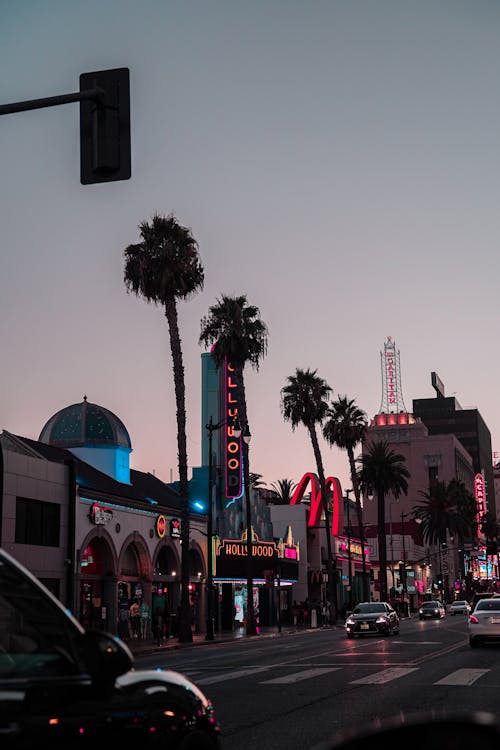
column 480, row 496
column 232, row 398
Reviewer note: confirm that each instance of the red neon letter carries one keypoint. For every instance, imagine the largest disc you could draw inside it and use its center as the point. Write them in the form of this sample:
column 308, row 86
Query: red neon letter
column 316, row 503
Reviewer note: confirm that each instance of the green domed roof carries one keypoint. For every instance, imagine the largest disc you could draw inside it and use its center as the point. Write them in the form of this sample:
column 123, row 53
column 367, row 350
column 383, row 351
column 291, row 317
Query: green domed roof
column 85, row 424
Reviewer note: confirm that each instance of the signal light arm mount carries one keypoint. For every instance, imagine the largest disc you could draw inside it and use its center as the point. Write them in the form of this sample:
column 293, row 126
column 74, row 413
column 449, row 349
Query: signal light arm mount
column 94, row 95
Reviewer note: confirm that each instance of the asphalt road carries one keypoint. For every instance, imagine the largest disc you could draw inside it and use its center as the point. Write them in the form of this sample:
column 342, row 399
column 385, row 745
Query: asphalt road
column 294, row 691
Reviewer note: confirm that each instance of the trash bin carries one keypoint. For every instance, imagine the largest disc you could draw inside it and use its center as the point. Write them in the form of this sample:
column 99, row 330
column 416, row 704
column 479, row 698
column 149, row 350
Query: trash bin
column 314, row 618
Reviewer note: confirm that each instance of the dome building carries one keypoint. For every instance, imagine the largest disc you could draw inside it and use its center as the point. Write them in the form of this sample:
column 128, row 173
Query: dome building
column 93, row 434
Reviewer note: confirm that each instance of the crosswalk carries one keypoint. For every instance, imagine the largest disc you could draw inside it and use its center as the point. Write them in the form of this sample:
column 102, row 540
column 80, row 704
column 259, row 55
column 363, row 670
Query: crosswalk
column 458, row 677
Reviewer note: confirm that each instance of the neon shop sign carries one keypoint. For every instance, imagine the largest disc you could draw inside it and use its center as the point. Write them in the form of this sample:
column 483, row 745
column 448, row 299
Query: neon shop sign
column 316, row 508
column 480, row 496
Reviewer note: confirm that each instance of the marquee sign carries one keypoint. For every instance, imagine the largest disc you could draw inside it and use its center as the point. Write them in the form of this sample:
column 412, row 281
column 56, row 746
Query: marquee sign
column 316, row 507
column 233, row 452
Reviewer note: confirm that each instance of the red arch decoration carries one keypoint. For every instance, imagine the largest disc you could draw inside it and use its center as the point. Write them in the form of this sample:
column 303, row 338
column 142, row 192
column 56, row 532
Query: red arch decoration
column 332, row 483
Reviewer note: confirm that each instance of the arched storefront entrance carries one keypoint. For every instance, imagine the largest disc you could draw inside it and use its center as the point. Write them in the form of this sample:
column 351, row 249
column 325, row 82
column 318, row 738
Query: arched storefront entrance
column 166, row 590
column 196, row 580
column 97, row 583
column 133, row 587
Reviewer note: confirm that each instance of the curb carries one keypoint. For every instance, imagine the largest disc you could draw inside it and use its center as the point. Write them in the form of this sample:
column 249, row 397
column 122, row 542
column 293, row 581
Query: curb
column 152, row 648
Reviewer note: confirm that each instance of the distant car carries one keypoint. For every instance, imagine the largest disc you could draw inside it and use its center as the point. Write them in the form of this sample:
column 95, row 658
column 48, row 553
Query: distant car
column 433, row 609
column 460, row 607
column 62, row 686
column 372, row 618
column 484, row 622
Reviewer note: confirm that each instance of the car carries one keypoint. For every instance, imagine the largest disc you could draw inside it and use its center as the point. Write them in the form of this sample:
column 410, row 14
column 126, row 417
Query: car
column 372, row 618
column 460, row 607
column 62, row 686
column 433, row 609
column 480, row 595
column 484, row 622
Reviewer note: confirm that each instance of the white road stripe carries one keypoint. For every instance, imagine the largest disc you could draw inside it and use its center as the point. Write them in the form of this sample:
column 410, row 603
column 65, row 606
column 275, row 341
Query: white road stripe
column 387, row 675
column 231, row 675
column 462, row 677
column 299, row 676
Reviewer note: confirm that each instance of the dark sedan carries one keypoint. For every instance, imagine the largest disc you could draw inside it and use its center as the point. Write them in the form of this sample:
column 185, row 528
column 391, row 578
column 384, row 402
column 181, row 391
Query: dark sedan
column 64, row 687
column 431, row 610
column 372, row 618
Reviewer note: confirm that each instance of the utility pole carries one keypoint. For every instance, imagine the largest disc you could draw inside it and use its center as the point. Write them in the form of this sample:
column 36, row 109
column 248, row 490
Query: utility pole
column 209, row 636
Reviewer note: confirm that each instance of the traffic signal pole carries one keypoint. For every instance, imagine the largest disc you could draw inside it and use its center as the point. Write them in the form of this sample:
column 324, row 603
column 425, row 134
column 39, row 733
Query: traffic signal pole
column 104, row 98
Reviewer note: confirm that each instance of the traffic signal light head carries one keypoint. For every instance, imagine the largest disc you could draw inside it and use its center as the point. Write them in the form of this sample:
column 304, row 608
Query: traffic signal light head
column 105, row 127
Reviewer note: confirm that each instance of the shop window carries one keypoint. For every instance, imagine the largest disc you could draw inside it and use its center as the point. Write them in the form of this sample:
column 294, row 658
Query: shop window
column 37, row 522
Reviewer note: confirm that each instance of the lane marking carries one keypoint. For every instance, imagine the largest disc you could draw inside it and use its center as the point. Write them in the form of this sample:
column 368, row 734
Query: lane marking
column 420, row 643
column 462, row 677
column 299, row 676
column 387, row 675
column 231, row 675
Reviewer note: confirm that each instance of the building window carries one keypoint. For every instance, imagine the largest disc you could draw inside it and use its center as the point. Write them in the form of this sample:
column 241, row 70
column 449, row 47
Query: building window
column 433, row 474
column 37, row 522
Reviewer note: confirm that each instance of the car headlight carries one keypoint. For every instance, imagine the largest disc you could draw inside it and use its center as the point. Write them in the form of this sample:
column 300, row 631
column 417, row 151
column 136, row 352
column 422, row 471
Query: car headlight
column 381, row 619
column 350, row 621
column 436, row 611
column 420, row 611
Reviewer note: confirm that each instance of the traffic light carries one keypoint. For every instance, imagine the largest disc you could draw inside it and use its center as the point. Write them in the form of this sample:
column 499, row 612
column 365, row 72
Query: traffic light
column 440, row 582
column 105, row 127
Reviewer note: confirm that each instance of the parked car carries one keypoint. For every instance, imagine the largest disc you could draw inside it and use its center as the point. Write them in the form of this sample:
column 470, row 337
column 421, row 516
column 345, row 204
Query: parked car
column 460, row 607
column 62, row 686
column 484, row 622
column 433, row 609
column 371, row 618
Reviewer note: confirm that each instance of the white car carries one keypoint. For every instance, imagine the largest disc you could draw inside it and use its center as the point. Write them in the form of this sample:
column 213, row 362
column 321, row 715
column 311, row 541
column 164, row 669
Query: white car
column 460, row 607
column 484, row 622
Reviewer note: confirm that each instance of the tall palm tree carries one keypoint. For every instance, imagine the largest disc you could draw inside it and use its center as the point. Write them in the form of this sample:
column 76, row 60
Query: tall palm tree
column 283, row 491
column 385, row 472
column 236, row 332
column 165, row 267
column 345, row 427
column 443, row 511
column 304, row 401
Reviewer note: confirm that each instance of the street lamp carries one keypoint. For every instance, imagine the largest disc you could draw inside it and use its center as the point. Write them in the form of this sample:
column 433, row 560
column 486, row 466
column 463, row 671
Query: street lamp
column 246, row 437
column 211, row 427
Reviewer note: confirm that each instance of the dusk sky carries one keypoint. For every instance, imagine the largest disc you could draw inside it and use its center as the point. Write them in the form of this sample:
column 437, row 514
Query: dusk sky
column 337, row 161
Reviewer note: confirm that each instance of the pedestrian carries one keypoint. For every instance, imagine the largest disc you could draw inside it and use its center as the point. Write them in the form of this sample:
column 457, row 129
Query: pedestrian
column 145, row 616
column 135, row 619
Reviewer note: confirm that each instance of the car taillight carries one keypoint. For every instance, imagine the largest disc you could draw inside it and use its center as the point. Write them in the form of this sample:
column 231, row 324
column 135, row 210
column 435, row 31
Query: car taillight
column 473, row 619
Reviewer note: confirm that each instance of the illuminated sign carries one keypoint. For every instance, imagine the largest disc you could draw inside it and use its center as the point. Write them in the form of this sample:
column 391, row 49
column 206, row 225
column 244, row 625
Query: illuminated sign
column 175, row 528
column 480, row 497
column 291, row 553
column 100, row 516
column 161, row 526
column 316, row 507
column 232, row 398
column 342, row 548
column 238, row 548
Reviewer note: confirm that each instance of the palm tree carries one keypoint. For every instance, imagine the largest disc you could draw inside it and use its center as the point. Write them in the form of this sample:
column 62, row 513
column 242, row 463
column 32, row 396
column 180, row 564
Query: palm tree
column 443, row 510
column 236, row 332
column 304, row 401
column 283, row 491
column 165, row 267
column 346, row 427
column 384, row 471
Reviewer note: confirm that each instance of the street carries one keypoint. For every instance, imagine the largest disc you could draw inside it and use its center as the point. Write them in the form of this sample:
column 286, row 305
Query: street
column 296, row 690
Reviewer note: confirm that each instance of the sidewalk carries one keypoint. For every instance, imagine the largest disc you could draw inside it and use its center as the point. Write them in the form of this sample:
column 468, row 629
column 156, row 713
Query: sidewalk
column 150, row 645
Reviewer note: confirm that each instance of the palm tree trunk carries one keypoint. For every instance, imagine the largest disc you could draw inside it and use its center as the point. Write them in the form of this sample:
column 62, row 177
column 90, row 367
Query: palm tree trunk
column 382, row 546
column 251, row 625
column 359, row 513
column 185, row 632
column 332, row 583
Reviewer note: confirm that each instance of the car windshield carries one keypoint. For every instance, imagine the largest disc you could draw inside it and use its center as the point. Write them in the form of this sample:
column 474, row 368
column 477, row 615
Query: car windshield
column 430, row 605
column 367, row 608
column 459, row 604
column 489, row 605
column 35, row 639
